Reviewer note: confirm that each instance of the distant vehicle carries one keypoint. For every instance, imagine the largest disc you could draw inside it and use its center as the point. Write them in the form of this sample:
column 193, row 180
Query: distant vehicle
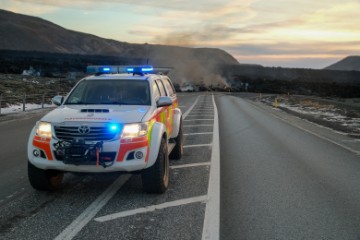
column 110, row 121
column 188, row 87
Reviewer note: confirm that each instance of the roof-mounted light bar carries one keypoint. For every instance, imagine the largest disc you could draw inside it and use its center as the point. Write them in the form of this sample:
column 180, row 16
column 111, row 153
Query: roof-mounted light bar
column 102, row 69
column 136, row 69
column 140, row 69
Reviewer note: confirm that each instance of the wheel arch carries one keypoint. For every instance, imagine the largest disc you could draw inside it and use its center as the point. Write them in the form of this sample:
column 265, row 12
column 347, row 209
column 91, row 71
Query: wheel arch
column 177, row 118
column 158, row 132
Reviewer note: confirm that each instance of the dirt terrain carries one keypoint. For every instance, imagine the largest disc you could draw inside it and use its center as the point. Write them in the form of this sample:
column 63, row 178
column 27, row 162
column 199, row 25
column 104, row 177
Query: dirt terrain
column 340, row 114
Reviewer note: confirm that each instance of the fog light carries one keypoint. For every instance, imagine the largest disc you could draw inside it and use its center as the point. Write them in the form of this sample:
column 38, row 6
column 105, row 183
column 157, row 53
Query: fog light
column 36, row 153
column 139, row 155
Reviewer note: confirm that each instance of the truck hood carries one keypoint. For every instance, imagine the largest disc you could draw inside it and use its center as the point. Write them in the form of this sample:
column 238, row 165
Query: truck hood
column 97, row 113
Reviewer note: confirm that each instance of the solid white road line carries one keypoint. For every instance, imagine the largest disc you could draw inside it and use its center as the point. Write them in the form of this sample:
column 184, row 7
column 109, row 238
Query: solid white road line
column 190, row 165
column 211, row 227
column 198, row 145
column 90, row 212
column 192, row 134
column 151, row 208
column 192, row 106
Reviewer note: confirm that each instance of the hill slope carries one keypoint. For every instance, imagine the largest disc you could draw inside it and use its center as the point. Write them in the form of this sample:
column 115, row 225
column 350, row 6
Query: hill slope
column 26, row 33
column 351, row 63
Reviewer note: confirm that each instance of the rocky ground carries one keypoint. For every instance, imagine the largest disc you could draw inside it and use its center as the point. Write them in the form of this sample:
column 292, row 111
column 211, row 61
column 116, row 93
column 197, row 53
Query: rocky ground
column 340, row 114
column 18, row 85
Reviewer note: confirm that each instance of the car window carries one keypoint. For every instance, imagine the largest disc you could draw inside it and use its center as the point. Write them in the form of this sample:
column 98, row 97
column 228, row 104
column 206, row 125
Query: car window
column 156, row 91
column 161, row 87
column 122, row 92
column 169, row 87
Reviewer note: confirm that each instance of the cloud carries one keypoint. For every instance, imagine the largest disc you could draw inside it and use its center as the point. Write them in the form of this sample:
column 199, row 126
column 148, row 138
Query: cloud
column 26, row 7
column 187, row 5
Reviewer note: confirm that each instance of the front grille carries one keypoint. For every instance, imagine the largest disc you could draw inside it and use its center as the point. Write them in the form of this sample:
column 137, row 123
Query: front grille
column 69, row 133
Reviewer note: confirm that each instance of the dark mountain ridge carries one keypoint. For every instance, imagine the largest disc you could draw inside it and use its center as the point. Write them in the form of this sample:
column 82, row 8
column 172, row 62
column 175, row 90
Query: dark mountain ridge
column 32, row 34
column 350, row 63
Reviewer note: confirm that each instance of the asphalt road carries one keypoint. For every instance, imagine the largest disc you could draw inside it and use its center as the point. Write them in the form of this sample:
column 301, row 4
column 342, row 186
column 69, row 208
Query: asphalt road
column 281, row 182
column 281, row 178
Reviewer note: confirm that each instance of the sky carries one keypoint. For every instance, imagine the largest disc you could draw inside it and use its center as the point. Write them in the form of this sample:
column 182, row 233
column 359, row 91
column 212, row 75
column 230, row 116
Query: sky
column 297, row 33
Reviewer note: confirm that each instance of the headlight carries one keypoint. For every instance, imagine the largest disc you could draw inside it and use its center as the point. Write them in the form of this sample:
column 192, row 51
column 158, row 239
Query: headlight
column 134, row 130
column 44, row 130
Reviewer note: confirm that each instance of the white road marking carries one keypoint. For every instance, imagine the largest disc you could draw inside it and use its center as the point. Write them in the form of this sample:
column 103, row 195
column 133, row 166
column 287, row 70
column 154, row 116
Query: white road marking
column 151, row 208
column 203, row 133
column 190, row 165
column 202, row 110
column 90, row 212
column 198, row 145
column 199, row 125
column 211, row 227
column 189, row 120
column 192, row 106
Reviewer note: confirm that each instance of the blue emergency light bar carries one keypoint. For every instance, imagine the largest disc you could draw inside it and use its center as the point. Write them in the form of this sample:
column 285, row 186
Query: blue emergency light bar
column 137, row 69
column 102, row 69
column 140, row 69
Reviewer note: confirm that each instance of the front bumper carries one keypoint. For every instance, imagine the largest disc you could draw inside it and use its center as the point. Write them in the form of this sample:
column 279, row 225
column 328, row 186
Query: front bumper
column 105, row 156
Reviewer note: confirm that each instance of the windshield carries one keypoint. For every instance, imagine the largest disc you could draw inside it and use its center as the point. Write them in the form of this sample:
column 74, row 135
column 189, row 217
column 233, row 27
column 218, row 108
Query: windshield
column 122, row 92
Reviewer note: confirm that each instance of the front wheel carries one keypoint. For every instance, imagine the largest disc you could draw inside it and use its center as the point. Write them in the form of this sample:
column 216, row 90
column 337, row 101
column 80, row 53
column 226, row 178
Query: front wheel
column 155, row 179
column 44, row 180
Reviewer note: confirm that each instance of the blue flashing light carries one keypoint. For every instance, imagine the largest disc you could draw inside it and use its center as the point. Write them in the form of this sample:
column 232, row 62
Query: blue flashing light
column 147, row 69
column 114, row 127
column 106, row 69
column 140, row 69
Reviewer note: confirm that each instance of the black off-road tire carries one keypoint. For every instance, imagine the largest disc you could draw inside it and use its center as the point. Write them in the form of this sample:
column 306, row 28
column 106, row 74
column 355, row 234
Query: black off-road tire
column 178, row 150
column 44, row 180
column 156, row 178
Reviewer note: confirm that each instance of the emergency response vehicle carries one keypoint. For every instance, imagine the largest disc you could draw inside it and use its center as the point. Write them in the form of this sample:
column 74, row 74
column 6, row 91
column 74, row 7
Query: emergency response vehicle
column 121, row 119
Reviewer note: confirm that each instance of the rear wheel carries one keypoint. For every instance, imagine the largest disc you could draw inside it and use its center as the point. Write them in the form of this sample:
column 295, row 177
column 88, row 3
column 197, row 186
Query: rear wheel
column 44, row 180
column 156, row 178
column 178, row 150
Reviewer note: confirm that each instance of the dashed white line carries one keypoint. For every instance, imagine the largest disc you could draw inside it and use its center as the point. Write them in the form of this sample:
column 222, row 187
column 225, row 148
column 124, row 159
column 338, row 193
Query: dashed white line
column 90, row 212
column 152, row 208
column 189, row 120
column 203, row 110
column 198, row 145
column 190, row 165
column 202, row 133
column 192, row 106
column 211, row 227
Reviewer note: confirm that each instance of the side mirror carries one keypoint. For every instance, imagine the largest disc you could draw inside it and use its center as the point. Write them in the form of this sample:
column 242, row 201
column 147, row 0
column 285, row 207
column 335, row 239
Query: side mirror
column 164, row 102
column 57, row 100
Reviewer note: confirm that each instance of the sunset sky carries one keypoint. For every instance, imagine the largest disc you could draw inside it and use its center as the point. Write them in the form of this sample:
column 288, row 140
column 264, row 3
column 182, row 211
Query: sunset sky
column 298, row 33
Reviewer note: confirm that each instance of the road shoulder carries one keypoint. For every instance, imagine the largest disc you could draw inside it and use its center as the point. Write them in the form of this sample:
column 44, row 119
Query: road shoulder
column 339, row 139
